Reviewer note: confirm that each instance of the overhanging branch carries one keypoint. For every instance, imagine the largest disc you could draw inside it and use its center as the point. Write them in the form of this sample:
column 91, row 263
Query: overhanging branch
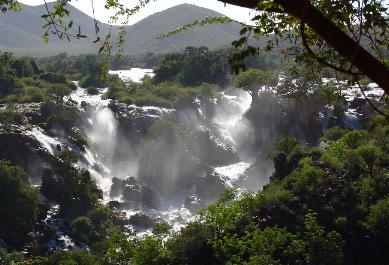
column 317, row 57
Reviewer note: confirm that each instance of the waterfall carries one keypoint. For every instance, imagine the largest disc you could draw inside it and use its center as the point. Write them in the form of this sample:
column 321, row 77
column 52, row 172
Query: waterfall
column 110, row 154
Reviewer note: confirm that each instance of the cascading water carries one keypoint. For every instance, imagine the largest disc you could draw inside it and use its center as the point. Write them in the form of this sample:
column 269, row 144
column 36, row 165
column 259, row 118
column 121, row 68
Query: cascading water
column 110, row 154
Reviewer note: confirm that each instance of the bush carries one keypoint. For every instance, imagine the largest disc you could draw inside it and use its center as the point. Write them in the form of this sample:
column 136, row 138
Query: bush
column 92, row 91
column 18, row 204
column 91, row 81
column 334, row 133
column 83, row 230
column 53, row 78
column 10, row 116
column 378, row 219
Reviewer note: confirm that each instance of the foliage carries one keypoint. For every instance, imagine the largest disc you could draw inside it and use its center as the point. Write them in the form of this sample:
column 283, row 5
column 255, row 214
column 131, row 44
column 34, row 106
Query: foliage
column 22, row 81
column 10, row 116
column 255, row 80
column 73, row 189
column 18, row 204
column 193, row 67
column 59, row 116
column 166, row 94
column 325, row 211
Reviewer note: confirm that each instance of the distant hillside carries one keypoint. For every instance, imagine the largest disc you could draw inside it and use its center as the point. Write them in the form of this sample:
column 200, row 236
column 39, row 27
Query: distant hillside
column 144, row 34
column 21, row 32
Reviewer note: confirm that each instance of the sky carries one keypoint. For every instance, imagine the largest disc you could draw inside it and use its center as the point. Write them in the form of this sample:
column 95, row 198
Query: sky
column 237, row 13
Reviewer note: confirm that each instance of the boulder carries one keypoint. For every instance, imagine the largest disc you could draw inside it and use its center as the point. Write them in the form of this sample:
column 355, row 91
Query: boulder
column 141, row 220
column 209, row 186
column 357, row 103
column 30, row 110
column 143, row 194
column 212, row 150
column 116, row 188
column 115, row 205
column 134, row 119
column 120, row 219
column 19, row 146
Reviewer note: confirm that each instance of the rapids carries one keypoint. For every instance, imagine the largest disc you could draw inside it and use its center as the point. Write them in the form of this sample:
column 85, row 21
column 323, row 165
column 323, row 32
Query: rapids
column 100, row 125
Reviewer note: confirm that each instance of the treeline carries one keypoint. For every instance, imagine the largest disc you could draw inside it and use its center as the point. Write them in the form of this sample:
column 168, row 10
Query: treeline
column 180, row 77
column 23, row 80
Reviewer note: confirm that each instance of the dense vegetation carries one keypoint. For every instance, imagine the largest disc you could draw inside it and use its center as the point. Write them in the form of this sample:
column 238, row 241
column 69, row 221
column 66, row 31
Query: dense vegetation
column 180, row 77
column 324, row 205
column 22, row 81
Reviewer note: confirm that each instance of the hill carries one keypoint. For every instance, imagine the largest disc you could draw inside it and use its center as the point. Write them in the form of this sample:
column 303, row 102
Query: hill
column 144, row 34
column 22, row 32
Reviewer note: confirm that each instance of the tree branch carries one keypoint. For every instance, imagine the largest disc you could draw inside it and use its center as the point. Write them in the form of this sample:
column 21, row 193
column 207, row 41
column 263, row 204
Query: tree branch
column 319, row 59
column 333, row 35
column 371, row 103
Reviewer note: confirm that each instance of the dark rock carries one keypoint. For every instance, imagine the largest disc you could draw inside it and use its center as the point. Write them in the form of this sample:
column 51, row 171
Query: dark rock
column 120, row 219
column 116, row 187
column 210, row 186
column 21, row 148
column 357, row 103
column 281, row 166
column 133, row 119
column 133, row 191
column 212, row 150
column 114, row 205
column 141, row 220
column 30, row 110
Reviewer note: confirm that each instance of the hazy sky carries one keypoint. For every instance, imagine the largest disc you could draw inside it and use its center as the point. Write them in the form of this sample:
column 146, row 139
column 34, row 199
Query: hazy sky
column 103, row 15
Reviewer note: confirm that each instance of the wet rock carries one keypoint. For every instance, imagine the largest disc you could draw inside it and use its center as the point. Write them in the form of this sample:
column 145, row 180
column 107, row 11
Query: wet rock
column 30, row 110
column 210, row 186
column 86, row 106
column 212, row 150
column 116, row 187
column 115, row 205
column 134, row 118
column 133, row 191
column 357, row 103
column 141, row 220
column 120, row 219
column 281, row 166
column 21, row 148
column 193, row 203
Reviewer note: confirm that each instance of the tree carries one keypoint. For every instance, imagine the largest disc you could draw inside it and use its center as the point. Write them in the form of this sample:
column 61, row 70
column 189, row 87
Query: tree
column 18, row 204
column 254, row 80
column 341, row 30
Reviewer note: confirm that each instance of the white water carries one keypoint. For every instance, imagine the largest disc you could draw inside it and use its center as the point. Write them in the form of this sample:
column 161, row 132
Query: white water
column 101, row 128
column 134, row 74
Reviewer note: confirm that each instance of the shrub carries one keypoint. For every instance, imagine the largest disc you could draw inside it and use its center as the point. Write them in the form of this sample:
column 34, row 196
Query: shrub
column 92, row 91
column 378, row 219
column 370, row 154
column 334, row 133
column 10, row 116
column 18, row 204
column 83, row 230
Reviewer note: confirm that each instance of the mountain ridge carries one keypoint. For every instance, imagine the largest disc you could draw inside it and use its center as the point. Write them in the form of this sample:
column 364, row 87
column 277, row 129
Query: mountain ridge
column 22, row 32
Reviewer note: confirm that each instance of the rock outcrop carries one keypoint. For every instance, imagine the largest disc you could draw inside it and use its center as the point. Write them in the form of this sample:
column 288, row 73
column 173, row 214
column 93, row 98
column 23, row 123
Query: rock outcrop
column 19, row 146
